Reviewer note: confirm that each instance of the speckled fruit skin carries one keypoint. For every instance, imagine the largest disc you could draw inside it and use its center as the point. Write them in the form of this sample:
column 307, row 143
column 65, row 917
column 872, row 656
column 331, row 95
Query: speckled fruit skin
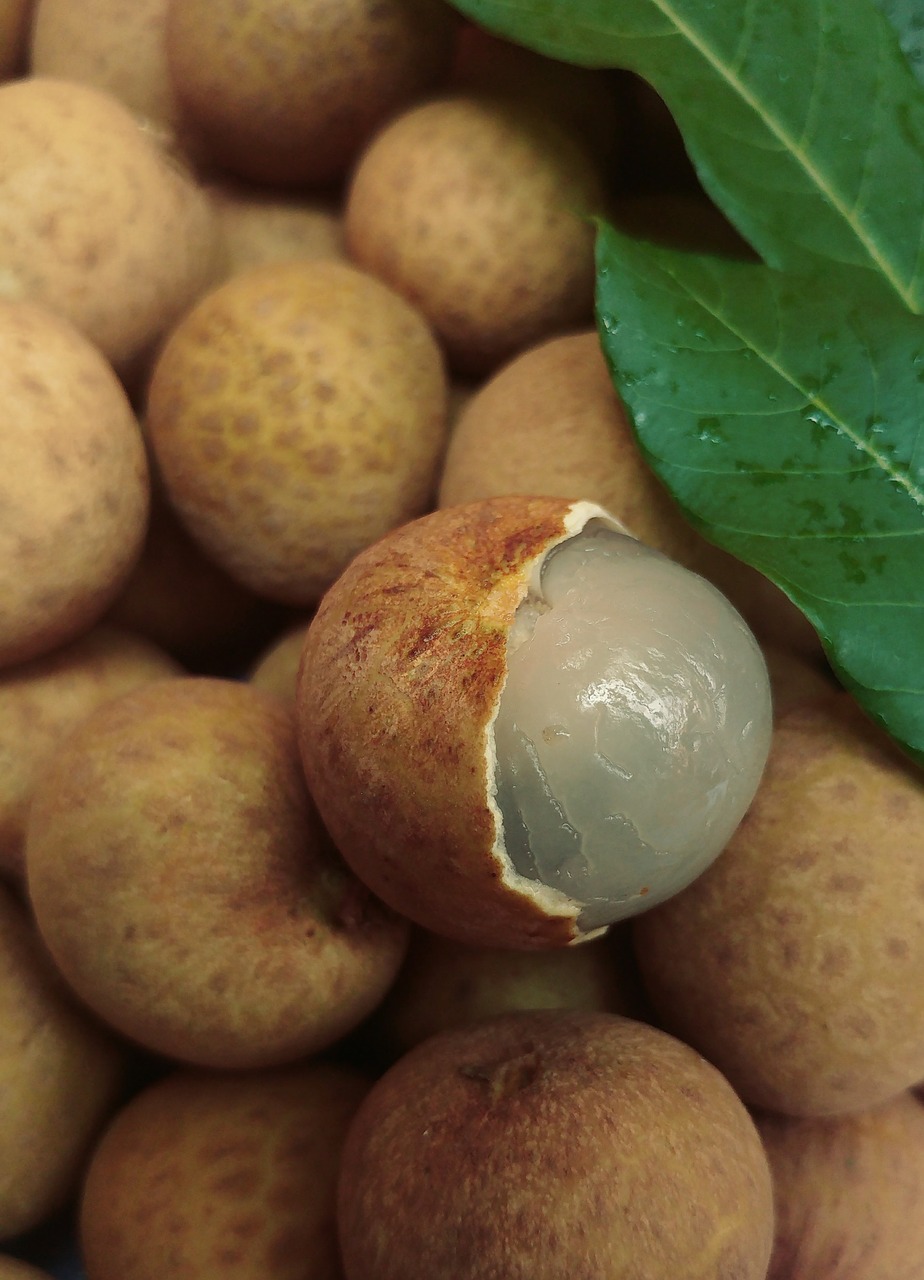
column 60, row 1078
column 297, row 413
column 95, row 220
column 402, row 666
column 209, row 1174
column 848, row 1192
column 74, row 488
column 285, row 92
column 550, row 421
column 477, row 209
column 549, row 1144
column 794, row 963
column 40, row 701
column 118, row 46
column 185, row 890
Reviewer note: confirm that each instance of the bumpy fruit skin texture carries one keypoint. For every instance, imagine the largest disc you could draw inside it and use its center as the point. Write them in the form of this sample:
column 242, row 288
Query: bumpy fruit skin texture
column 297, row 413
column 209, row 1174
column 477, row 209
column 396, row 758
column 287, row 92
column 74, row 488
column 848, row 1192
column 550, row 1144
column 97, row 222
column 41, row 700
column 60, row 1077
column 794, row 962
column 181, row 881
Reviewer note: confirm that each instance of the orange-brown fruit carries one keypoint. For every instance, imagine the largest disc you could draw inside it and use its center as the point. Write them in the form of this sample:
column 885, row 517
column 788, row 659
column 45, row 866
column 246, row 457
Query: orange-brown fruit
column 520, row 724
column 296, row 414
column 848, row 1193
column 60, row 1077
column 73, row 482
column 548, row 1144
column 119, row 46
column 207, row 1174
column 287, row 91
column 794, row 962
column 96, row 221
column 276, row 668
column 551, row 422
column 42, row 700
column 16, row 1269
column 15, row 16
column 477, row 209
column 229, row 933
column 255, row 225
column 445, row 984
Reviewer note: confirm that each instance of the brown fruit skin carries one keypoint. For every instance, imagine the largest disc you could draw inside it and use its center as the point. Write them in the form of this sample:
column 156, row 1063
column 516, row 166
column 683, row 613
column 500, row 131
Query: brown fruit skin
column 276, row 669
column 848, row 1193
column 209, row 1174
column 40, row 701
column 477, row 209
column 550, row 421
column 15, row 16
column 549, row 1144
column 60, row 1077
column 14, row 1269
column 395, row 758
column 229, row 933
column 74, row 485
column 255, row 225
column 97, row 222
column 445, row 984
column 285, row 92
column 118, row 46
column 297, row 413
column 794, row 962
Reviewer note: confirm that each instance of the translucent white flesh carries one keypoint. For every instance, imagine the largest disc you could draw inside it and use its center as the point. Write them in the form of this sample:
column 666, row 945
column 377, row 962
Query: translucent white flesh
column 633, row 728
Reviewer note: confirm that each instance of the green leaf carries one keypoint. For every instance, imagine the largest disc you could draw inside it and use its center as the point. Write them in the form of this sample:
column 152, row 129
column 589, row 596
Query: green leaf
column 803, row 118
column 786, row 415
column 907, row 17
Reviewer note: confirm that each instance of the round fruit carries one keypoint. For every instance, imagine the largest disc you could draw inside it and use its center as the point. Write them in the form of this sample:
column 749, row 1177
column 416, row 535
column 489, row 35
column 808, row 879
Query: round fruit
column 229, row 933
column 794, row 962
column 520, row 724
column 297, row 413
column 548, row 1144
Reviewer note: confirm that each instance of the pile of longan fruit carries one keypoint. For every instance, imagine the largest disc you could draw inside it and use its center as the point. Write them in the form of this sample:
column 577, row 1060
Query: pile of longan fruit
column 281, row 283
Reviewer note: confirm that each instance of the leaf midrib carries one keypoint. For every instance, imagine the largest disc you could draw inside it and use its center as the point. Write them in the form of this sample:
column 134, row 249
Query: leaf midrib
column 859, row 442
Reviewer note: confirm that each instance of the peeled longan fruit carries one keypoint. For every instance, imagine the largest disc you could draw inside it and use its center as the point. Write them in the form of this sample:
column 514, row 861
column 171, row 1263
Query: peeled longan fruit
column 118, row 46
column 287, row 91
column 207, row 1174
column 848, row 1192
column 476, row 208
column 60, row 1076
column 40, row 701
column 520, row 724
column 794, row 963
column 95, row 220
column 549, row 1144
column 73, row 482
column 297, row 413
column 229, row 933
